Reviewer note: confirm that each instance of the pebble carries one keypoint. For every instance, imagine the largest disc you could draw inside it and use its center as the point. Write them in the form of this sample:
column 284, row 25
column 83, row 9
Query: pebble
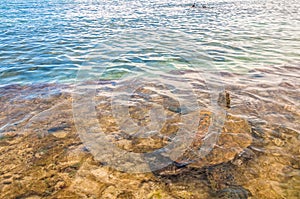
column 60, row 134
column 10, row 134
column 278, row 142
column 7, row 175
column 7, row 181
column 39, row 155
column 59, row 185
column 17, row 177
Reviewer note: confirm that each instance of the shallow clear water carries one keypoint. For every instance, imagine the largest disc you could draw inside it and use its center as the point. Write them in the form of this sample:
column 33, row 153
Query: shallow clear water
column 139, row 71
column 49, row 41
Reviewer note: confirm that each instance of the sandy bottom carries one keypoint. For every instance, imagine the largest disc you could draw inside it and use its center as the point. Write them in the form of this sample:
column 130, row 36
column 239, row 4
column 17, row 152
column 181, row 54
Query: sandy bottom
column 42, row 155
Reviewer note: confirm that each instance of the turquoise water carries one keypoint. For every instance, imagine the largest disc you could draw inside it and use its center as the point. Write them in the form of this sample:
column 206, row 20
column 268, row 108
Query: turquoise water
column 49, row 41
column 51, row 117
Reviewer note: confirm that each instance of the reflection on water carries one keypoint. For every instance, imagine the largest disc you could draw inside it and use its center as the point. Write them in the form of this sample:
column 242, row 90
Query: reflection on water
column 42, row 155
column 50, row 41
column 248, row 48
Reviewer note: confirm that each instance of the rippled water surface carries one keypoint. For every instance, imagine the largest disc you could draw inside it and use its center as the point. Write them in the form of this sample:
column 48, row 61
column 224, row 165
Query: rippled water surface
column 220, row 81
column 49, row 41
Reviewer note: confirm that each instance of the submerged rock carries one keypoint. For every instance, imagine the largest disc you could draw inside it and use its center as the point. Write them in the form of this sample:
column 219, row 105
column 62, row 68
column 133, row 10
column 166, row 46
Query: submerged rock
column 233, row 192
column 231, row 146
column 234, row 138
column 224, row 99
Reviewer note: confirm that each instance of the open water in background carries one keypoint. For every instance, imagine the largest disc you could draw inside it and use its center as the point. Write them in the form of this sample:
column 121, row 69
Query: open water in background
column 48, row 41
column 249, row 48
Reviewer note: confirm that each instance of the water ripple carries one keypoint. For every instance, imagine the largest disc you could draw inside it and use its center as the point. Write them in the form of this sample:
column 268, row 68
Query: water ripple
column 48, row 41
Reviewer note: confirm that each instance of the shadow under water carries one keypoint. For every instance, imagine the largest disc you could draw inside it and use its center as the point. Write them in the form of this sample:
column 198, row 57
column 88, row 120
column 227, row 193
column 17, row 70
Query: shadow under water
column 257, row 154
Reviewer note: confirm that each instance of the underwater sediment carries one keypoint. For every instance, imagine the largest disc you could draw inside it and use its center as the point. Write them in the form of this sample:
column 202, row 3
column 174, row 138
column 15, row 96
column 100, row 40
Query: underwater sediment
column 257, row 154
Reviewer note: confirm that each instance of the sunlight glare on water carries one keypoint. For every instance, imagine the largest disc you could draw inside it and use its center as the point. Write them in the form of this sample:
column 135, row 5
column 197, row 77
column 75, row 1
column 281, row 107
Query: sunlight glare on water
column 220, row 80
column 48, row 41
